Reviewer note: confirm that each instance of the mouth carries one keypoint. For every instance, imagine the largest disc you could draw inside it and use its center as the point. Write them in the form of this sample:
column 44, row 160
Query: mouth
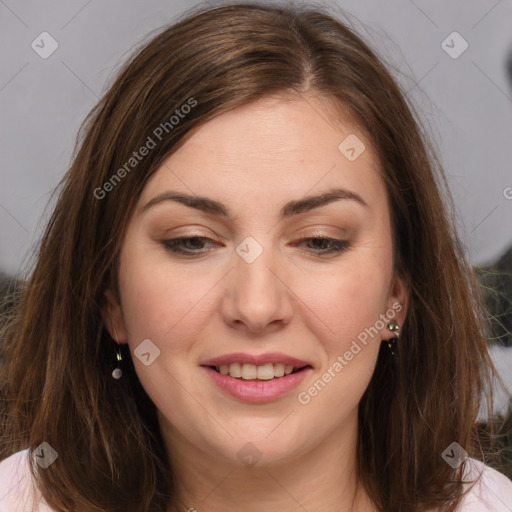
column 252, row 372
column 249, row 387
column 257, row 377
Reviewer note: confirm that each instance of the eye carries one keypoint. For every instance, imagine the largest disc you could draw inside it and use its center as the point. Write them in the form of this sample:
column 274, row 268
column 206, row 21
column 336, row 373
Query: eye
column 175, row 245
column 195, row 245
column 324, row 245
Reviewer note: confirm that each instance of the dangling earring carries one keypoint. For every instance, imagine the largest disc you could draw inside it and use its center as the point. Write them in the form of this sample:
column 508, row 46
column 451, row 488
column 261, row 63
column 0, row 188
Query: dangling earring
column 393, row 327
column 117, row 373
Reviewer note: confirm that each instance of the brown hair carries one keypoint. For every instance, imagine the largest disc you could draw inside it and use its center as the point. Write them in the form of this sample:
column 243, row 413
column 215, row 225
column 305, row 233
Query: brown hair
column 58, row 356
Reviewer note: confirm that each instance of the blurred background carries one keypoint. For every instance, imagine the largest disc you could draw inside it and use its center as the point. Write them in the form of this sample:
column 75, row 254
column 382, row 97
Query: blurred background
column 454, row 60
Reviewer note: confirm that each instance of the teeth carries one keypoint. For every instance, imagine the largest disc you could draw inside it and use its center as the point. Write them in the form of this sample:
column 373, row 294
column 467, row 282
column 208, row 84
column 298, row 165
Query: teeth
column 265, row 372
column 250, row 371
column 278, row 370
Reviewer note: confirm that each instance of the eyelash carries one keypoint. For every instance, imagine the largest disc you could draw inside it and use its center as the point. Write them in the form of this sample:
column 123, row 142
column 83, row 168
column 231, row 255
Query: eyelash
column 173, row 245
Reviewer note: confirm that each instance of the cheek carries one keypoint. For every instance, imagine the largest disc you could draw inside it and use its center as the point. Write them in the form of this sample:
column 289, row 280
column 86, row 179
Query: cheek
column 350, row 302
column 159, row 304
column 347, row 325
column 168, row 308
column 346, row 301
column 157, row 298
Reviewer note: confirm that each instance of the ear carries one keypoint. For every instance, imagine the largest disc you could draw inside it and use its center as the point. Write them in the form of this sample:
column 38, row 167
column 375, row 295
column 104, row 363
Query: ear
column 398, row 302
column 112, row 314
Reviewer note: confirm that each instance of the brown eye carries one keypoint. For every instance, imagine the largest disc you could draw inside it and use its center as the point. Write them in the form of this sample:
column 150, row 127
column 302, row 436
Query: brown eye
column 186, row 246
column 324, row 245
column 195, row 245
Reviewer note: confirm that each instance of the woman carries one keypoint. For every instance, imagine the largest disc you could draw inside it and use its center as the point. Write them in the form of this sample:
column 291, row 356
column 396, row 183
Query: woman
column 249, row 295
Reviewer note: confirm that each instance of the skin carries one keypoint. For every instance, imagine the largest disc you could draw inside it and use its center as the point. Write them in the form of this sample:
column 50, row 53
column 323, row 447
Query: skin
column 291, row 299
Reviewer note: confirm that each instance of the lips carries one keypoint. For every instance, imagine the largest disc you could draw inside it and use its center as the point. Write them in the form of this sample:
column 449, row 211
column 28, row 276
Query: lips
column 257, row 378
column 257, row 391
column 257, row 360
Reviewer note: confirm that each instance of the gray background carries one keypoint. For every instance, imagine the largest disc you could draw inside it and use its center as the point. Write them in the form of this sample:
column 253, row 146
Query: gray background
column 465, row 102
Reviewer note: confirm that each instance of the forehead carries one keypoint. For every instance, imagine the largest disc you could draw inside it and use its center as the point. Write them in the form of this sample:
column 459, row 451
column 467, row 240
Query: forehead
column 272, row 148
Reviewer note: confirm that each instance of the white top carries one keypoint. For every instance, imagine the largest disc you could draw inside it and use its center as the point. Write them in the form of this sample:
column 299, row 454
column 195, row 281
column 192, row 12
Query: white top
column 491, row 493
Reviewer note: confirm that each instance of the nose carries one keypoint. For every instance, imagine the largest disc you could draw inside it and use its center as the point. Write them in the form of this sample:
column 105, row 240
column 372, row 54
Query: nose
column 257, row 298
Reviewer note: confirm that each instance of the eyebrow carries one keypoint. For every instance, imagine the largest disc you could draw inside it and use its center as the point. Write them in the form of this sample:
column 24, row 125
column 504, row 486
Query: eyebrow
column 294, row 207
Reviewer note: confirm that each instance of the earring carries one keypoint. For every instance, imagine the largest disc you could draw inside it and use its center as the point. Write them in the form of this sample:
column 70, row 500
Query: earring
column 393, row 327
column 117, row 373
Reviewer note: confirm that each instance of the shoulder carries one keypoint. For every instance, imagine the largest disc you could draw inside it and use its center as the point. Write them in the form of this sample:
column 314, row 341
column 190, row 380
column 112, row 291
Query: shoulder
column 18, row 492
column 490, row 492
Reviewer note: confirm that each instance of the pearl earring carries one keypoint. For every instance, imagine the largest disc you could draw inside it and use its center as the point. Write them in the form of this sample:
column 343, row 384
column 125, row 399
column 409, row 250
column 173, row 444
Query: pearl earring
column 117, row 373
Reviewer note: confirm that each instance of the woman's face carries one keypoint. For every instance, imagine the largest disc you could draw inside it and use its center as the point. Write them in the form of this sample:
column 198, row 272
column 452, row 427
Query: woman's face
column 257, row 282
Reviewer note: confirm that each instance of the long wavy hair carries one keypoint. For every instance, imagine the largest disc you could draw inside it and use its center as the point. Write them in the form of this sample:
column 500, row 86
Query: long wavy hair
column 58, row 357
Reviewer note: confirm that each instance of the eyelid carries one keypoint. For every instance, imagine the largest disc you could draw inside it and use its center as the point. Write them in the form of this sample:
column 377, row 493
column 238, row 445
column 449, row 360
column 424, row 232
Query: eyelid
column 337, row 246
column 315, row 233
column 189, row 231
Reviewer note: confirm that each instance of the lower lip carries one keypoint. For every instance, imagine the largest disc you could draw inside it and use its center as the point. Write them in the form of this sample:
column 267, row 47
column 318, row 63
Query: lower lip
column 258, row 390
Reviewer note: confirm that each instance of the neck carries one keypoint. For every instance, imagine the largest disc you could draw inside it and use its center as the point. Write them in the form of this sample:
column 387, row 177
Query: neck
column 321, row 478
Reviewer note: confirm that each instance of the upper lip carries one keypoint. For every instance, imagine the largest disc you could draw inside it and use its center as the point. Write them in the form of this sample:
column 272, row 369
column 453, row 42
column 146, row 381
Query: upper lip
column 258, row 360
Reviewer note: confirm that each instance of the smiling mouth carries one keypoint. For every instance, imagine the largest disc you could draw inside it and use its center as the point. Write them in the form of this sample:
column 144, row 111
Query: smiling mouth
column 269, row 371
